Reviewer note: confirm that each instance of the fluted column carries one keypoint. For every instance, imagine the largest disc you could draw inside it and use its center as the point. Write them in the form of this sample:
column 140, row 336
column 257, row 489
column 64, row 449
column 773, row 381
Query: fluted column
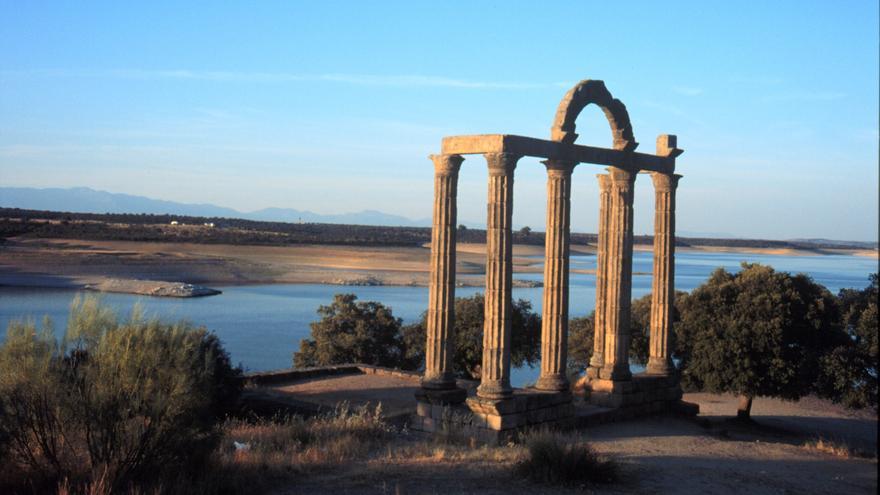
column 495, row 380
column 441, row 299
column 597, row 360
column 663, row 286
column 619, row 276
column 554, row 318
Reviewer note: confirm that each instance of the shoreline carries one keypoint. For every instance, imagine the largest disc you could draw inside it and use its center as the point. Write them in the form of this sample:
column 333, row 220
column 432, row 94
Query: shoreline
column 146, row 267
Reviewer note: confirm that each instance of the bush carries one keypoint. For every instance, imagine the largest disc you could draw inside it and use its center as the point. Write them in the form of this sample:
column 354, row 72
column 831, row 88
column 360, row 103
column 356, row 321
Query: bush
column 115, row 401
column 352, row 332
column 557, row 460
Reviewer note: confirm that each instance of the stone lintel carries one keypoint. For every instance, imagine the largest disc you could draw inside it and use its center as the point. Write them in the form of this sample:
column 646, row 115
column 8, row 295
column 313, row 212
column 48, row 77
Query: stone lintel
column 542, row 148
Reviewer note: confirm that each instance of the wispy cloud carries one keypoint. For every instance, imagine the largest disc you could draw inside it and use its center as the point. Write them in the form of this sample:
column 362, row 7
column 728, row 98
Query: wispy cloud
column 283, row 77
column 808, row 96
column 687, row 90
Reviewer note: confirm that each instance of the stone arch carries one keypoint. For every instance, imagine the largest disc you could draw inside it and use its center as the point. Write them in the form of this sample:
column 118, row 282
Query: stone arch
column 582, row 94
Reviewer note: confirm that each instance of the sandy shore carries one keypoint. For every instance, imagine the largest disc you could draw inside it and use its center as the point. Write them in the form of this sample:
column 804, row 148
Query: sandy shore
column 76, row 264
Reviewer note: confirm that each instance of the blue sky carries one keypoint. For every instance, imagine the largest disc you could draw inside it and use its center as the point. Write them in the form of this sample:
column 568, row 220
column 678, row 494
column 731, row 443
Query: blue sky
column 334, row 106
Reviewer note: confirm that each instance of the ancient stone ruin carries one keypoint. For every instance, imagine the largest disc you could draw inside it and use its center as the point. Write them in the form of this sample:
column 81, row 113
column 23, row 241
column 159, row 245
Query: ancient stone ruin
column 611, row 388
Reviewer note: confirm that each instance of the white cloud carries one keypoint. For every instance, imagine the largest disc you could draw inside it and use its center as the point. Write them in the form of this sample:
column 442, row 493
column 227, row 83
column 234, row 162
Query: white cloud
column 406, row 80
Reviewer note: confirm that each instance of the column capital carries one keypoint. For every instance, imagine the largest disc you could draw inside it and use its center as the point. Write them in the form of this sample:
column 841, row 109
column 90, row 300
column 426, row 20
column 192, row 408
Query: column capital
column 665, row 182
column 621, row 177
column 446, row 164
column 559, row 168
column 501, row 163
column 604, row 182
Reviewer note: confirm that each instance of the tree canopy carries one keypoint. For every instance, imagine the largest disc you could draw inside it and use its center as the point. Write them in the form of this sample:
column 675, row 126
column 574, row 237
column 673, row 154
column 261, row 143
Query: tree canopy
column 352, row 332
column 849, row 371
column 468, row 335
column 756, row 333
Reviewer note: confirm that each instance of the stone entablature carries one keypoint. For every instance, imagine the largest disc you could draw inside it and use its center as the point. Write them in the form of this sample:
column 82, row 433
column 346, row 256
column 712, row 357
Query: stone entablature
column 497, row 406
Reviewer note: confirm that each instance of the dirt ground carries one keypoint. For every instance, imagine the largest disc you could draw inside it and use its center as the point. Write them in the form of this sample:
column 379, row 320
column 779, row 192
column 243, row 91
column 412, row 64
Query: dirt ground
column 712, row 453
column 708, row 454
column 73, row 263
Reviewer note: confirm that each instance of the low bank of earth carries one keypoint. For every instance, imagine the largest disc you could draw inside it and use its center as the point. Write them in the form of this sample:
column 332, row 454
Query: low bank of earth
column 126, row 266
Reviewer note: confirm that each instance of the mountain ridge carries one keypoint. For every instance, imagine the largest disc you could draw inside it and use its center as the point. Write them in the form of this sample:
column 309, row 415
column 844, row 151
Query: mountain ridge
column 88, row 200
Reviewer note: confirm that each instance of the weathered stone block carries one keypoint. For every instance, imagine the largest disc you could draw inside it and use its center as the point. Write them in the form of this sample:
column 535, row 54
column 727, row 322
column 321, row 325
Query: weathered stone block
column 450, row 396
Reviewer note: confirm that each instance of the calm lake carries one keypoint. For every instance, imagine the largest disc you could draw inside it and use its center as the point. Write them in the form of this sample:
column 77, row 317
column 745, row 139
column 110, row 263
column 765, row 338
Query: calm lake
column 261, row 325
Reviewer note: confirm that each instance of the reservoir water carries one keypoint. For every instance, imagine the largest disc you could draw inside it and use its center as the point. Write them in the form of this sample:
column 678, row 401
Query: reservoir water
column 261, row 325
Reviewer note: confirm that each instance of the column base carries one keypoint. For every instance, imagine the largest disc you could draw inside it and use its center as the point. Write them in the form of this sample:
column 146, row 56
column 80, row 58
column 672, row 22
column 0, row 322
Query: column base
column 556, row 382
column 494, row 390
column 653, row 391
column 597, row 360
column 660, row 366
column 446, row 381
column 616, row 372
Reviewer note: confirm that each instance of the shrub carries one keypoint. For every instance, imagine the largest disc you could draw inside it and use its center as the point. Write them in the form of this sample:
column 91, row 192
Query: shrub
column 557, row 460
column 115, row 401
column 352, row 332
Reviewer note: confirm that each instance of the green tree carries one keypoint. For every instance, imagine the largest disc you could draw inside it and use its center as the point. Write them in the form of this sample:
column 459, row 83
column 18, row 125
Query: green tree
column 580, row 343
column 352, row 332
column 849, row 370
column 468, row 336
column 756, row 333
column 580, row 334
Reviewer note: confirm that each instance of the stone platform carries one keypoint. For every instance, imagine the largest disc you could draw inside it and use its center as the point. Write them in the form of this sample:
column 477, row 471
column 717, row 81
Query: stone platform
column 653, row 393
column 498, row 421
column 492, row 420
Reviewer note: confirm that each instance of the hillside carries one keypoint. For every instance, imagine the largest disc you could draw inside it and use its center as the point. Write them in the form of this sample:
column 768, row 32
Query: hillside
column 193, row 229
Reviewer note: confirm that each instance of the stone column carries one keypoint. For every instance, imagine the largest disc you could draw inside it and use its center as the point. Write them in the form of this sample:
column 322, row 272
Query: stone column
column 663, row 286
column 441, row 299
column 495, row 380
column 619, row 276
column 597, row 360
column 554, row 318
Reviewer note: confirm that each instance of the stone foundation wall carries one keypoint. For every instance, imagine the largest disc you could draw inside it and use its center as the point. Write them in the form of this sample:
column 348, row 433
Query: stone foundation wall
column 650, row 392
column 493, row 421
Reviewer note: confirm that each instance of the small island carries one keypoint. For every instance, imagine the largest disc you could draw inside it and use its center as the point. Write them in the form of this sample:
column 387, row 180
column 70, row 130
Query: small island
column 155, row 288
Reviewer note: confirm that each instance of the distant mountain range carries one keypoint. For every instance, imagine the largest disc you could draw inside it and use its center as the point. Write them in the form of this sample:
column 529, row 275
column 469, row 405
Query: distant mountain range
column 86, row 200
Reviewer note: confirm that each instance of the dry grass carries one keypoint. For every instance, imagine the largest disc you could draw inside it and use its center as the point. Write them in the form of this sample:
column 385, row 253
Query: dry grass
column 557, row 459
column 294, row 444
column 837, row 448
